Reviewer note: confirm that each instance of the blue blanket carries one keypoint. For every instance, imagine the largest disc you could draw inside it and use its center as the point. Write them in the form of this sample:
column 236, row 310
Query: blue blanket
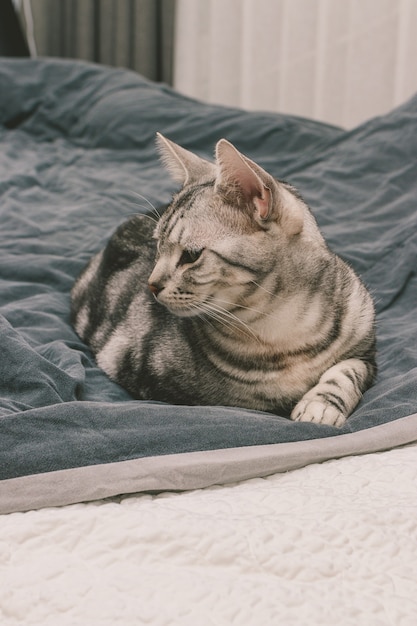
column 77, row 157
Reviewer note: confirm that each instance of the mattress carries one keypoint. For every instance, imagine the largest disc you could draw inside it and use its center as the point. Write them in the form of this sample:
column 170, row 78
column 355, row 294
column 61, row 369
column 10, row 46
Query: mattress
column 329, row 543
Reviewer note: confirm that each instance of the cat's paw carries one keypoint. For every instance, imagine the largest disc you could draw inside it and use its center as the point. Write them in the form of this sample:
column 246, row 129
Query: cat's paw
column 317, row 412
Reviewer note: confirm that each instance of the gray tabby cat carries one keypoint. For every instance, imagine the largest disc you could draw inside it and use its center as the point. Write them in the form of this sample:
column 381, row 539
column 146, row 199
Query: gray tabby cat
column 245, row 303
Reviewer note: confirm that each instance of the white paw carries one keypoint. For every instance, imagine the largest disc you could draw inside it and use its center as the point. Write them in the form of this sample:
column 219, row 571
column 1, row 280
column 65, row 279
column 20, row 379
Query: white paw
column 317, row 412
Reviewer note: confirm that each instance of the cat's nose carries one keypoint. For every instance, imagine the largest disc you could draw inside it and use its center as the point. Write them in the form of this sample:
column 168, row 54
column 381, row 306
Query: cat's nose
column 154, row 288
column 156, row 281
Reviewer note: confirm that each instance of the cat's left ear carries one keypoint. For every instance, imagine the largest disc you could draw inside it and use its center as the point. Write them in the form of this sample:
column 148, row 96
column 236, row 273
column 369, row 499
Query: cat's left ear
column 258, row 188
column 183, row 165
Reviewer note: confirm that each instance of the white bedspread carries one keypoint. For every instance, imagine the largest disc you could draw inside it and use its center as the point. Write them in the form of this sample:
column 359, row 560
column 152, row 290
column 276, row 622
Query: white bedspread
column 329, row 544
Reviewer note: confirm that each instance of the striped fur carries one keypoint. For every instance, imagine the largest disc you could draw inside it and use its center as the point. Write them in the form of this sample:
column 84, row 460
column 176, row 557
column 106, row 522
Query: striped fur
column 245, row 305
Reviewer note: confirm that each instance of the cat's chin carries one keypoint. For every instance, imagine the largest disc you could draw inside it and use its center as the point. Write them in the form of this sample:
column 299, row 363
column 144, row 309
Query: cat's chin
column 182, row 311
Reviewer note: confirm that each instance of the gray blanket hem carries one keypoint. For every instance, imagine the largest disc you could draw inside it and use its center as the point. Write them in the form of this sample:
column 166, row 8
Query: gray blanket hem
column 195, row 470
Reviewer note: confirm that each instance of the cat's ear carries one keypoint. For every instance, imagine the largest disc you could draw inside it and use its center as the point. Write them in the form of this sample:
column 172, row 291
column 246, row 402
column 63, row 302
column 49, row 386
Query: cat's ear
column 184, row 166
column 235, row 169
column 270, row 199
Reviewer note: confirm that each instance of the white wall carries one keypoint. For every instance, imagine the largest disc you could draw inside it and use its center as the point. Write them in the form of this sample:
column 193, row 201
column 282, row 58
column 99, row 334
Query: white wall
column 340, row 61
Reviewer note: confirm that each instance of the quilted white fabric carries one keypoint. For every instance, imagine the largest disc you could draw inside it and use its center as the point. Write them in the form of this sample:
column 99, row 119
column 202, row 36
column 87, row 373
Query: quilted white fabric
column 331, row 543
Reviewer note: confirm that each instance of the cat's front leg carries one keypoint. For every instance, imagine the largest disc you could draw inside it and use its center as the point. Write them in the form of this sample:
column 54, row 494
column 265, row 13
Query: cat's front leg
column 336, row 394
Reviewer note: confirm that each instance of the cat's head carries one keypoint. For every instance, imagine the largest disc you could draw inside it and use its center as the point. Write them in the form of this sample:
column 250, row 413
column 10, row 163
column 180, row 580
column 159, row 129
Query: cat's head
column 229, row 225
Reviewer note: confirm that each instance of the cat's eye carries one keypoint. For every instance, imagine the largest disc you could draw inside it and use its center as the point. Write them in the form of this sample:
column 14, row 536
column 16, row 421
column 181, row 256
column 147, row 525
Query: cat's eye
column 188, row 257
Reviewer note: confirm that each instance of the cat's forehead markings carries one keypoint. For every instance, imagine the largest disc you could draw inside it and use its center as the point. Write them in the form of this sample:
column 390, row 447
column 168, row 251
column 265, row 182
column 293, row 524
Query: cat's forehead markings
column 181, row 204
column 188, row 193
column 176, row 234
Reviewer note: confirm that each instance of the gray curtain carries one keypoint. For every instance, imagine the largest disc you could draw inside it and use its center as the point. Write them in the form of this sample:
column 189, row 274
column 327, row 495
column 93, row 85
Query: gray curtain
column 137, row 34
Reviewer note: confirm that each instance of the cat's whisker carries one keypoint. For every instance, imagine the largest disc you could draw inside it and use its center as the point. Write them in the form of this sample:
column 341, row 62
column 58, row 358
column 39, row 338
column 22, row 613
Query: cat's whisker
column 139, row 206
column 271, row 293
column 230, row 319
column 248, row 308
column 205, row 315
column 153, row 207
column 149, row 217
column 220, row 316
column 225, row 322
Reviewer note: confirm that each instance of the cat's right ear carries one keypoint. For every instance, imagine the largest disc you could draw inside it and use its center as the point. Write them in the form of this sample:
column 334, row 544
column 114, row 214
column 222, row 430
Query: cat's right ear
column 184, row 166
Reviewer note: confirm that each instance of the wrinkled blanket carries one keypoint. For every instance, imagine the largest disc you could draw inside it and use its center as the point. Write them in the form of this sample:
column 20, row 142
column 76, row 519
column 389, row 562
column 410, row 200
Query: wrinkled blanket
column 77, row 157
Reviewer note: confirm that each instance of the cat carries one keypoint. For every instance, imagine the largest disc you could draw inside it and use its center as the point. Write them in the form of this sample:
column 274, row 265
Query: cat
column 245, row 304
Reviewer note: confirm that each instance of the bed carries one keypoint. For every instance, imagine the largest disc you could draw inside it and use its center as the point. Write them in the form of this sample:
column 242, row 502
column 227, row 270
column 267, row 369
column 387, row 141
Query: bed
column 121, row 511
